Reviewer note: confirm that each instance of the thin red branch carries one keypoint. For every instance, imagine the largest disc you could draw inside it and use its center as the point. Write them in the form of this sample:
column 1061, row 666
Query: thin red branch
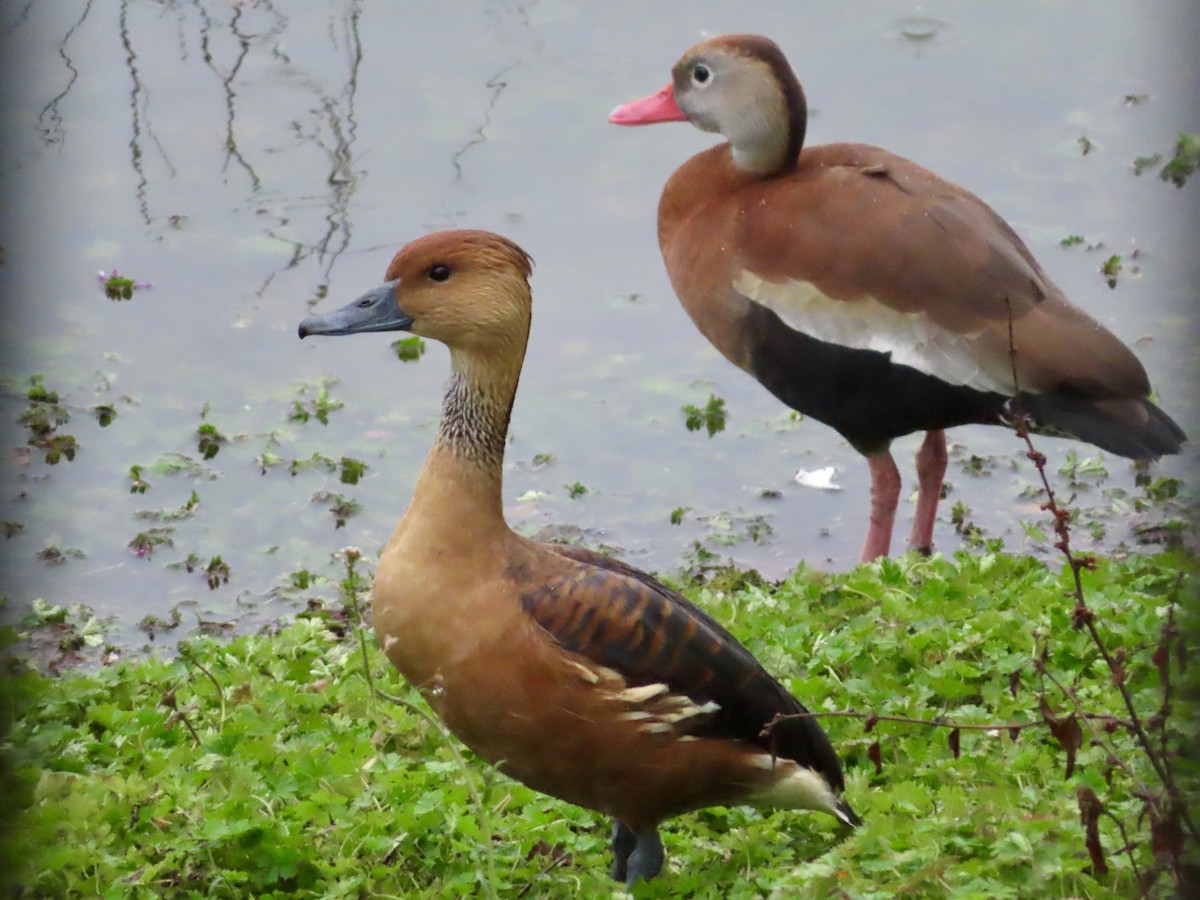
column 933, row 723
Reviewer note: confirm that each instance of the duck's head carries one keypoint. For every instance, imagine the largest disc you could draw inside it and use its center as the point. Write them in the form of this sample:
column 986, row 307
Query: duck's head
column 467, row 289
column 741, row 86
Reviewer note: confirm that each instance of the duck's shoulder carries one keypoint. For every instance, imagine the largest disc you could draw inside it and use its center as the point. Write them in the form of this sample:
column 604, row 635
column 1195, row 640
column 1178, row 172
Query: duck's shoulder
column 617, row 598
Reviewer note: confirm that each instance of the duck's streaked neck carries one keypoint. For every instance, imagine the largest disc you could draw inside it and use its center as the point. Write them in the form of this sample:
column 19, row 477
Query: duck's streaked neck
column 463, row 475
column 475, row 411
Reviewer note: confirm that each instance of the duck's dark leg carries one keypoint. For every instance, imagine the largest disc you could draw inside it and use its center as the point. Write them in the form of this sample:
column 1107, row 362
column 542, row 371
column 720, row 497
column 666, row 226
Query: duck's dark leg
column 646, row 860
column 931, row 470
column 885, row 495
column 623, row 842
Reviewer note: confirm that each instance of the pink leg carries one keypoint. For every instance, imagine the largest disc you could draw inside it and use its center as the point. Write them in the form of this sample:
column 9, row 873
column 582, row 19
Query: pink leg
column 885, row 495
column 931, row 469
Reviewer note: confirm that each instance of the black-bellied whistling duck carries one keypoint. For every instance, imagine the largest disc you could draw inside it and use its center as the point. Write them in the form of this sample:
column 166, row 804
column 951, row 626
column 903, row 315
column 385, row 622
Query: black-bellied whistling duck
column 582, row 677
column 870, row 294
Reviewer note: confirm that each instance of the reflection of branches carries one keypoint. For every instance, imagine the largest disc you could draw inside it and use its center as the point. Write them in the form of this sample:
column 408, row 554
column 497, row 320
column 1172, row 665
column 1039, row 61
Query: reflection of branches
column 22, row 16
column 479, row 136
column 139, row 101
column 227, row 79
column 50, row 119
column 241, row 45
column 342, row 179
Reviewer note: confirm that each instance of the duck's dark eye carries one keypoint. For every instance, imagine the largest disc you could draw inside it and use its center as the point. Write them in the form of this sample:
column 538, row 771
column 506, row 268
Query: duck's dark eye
column 701, row 74
column 365, row 302
column 439, row 272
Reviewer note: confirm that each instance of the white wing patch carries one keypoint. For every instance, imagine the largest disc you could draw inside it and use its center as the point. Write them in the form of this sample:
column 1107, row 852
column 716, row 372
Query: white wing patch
column 911, row 338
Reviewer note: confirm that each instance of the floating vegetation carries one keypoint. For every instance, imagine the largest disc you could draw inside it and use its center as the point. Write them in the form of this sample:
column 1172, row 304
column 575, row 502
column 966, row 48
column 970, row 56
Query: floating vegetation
column 42, row 418
column 409, row 349
column 186, row 511
column 352, row 470
column 146, row 542
column 57, row 556
column 727, row 528
column 1111, row 270
column 711, row 417
column 215, row 572
column 178, row 464
column 341, row 507
column 314, row 402
column 118, row 287
column 1180, row 167
column 152, row 626
column 1082, row 473
column 137, row 484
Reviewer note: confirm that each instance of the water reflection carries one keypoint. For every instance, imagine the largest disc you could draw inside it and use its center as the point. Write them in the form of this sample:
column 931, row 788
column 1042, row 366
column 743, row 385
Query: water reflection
column 918, row 29
column 50, row 118
column 243, row 155
column 244, row 47
column 496, row 86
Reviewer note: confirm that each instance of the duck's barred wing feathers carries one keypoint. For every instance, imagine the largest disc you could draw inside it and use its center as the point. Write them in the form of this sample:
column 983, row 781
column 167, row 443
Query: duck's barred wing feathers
column 619, row 617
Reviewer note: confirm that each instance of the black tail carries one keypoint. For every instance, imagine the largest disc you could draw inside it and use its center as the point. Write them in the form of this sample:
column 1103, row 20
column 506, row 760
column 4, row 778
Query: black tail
column 1134, row 428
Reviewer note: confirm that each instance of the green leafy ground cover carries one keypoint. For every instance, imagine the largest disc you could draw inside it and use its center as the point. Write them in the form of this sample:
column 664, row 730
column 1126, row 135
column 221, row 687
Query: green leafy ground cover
column 272, row 766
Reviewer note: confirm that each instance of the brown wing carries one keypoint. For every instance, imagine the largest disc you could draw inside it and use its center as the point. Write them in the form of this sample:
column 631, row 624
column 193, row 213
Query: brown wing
column 622, row 618
column 857, row 222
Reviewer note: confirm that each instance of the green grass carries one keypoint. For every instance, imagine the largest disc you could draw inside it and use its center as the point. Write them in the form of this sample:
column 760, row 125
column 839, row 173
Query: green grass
column 266, row 766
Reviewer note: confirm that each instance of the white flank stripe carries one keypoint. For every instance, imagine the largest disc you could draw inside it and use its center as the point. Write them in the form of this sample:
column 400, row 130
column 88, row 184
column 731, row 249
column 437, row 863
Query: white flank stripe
column 866, row 324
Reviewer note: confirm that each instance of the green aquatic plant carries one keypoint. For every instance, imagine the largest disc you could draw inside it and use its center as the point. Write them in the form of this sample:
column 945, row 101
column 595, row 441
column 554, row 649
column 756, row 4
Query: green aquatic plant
column 118, row 287
column 711, row 417
column 1111, row 270
column 409, row 349
column 314, row 402
column 1184, row 161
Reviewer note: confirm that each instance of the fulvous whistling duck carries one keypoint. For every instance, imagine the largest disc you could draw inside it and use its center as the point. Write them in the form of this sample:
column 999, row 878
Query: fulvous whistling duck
column 870, row 294
column 576, row 674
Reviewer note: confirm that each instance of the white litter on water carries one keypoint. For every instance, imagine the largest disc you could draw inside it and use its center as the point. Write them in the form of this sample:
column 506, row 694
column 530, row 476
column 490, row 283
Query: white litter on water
column 821, row 479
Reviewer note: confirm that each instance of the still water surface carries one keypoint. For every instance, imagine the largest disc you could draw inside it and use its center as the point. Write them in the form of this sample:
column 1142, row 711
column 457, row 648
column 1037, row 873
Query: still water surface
column 255, row 160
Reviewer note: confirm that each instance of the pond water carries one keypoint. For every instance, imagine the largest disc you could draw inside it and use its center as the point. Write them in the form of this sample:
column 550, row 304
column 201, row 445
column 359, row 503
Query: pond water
column 253, row 161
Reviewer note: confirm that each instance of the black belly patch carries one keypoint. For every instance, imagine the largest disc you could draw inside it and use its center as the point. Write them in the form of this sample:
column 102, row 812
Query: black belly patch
column 861, row 394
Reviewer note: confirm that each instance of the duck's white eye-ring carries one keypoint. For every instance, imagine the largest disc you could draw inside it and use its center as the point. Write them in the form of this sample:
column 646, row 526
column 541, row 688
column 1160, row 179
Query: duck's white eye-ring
column 439, row 272
column 701, row 74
